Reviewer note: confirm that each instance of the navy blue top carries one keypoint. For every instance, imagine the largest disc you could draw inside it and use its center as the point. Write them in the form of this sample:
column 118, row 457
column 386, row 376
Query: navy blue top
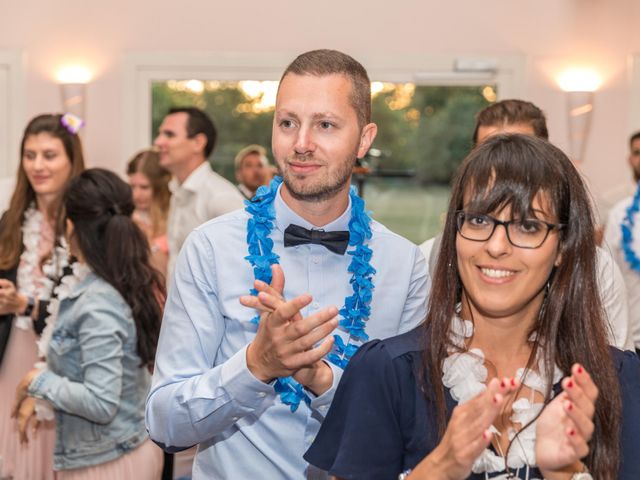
column 379, row 423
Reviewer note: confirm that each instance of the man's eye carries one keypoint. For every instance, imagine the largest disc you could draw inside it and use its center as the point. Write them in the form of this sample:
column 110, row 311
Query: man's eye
column 326, row 125
column 286, row 123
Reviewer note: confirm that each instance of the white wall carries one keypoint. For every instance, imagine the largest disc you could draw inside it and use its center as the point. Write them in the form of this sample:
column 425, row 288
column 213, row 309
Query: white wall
column 551, row 34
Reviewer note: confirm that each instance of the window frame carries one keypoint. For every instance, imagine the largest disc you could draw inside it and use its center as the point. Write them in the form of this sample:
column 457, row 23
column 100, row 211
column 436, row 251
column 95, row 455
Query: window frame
column 12, row 109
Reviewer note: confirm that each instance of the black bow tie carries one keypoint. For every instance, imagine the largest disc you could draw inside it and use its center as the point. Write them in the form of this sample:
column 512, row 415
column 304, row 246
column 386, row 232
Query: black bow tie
column 336, row 242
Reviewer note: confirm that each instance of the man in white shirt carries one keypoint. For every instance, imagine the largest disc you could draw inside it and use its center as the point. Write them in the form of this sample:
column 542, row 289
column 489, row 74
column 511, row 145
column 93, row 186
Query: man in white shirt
column 253, row 396
column 186, row 138
column 519, row 116
column 625, row 253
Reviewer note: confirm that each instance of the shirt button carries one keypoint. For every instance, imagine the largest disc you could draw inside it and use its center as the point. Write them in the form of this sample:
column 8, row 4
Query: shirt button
column 235, row 419
column 262, row 394
column 315, row 259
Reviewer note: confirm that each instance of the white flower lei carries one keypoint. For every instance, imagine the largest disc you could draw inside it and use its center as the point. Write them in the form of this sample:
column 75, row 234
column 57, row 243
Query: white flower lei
column 465, row 375
column 30, row 260
column 67, row 285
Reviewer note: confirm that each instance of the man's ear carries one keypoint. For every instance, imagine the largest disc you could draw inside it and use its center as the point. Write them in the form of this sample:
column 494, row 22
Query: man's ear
column 200, row 142
column 367, row 136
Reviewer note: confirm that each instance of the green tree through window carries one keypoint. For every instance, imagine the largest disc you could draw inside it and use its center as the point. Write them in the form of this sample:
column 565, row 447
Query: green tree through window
column 424, row 132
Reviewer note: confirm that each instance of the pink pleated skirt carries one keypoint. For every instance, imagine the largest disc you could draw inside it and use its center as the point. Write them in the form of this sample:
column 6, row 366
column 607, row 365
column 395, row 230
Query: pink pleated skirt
column 34, row 460
column 143, row 463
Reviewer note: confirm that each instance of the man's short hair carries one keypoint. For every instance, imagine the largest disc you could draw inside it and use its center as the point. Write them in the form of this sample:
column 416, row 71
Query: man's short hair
column 511, row 112
column 633, row 138
column 329, row 62
column 199, row 122
column 249, row 149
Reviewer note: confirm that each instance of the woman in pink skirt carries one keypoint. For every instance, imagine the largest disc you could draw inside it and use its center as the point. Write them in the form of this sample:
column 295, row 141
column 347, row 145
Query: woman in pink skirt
column 101, row 343
column 31, row 258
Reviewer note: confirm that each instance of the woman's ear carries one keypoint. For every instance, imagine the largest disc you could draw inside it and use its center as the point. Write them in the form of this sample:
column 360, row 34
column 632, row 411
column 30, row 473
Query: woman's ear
column 558, row 260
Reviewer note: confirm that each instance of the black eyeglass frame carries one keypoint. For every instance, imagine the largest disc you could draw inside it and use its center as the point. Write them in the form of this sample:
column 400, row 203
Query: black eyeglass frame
column 461, row 214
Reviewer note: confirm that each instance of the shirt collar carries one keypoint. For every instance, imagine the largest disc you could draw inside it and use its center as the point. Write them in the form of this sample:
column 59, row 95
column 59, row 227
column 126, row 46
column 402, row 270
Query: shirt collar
column 285, row 216
column 192, row 182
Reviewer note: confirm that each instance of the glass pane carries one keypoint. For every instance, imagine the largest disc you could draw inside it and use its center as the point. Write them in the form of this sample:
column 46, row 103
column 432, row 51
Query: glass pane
column 424, row 132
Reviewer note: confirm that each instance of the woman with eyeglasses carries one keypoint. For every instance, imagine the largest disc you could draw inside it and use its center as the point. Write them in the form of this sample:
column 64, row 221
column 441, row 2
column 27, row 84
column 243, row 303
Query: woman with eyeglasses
column 511, row 375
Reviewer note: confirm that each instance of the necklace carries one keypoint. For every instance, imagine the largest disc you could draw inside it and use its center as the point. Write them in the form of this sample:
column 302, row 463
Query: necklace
column 356, row 309
column 465, row 375
column 29, row 282
column 627, row 226
column 79, row 271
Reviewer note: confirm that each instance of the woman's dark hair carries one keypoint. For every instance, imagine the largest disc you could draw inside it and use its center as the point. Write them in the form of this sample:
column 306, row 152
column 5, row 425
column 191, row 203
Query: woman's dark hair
column 100, row 205
column 24, row 195
column 511, row 170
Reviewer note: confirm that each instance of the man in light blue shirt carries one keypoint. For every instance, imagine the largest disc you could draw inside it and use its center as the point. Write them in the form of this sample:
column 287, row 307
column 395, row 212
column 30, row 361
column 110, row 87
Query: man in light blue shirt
column 215, row 370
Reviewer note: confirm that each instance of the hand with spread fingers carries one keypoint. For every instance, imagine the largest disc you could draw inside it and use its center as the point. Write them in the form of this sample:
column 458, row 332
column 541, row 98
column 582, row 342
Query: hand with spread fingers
column 286, row 344
column 565, row 426
column 467, row 434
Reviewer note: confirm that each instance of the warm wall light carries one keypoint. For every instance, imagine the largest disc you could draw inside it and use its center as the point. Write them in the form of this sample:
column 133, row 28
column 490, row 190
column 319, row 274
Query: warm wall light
column 580, row 85
column 73, row 81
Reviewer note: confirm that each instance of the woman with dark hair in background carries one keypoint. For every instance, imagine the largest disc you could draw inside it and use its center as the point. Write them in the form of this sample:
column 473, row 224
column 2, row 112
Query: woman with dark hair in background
column 102, row 344
column 31, row 259
column 511, row 375
column 150, row 185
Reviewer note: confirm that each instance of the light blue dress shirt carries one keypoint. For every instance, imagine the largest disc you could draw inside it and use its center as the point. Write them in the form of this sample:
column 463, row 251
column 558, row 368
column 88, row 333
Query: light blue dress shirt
column 202, row 391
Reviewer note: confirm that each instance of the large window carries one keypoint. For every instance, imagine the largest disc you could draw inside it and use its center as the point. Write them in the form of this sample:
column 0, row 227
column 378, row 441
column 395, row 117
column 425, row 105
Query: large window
column 423, row 134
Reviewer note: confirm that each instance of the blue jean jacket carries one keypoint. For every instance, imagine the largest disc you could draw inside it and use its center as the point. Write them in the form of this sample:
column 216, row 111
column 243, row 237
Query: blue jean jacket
column 94, row 380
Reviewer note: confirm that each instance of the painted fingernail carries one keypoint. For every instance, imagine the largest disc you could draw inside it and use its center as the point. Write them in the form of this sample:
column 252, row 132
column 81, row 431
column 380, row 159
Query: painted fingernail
column 496, row 399
column 572, row 432
column 513, row 382
column 570, row 384
column 568, row 405
column 502, row 384
column 580, row 369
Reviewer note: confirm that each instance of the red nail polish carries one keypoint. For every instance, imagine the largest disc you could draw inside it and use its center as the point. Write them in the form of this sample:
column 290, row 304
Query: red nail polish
column 580, row 370
column 502, row 384
column 513, row 382
column 495, row 399
column 570, row 384
column 569, row 406
column 572, row 432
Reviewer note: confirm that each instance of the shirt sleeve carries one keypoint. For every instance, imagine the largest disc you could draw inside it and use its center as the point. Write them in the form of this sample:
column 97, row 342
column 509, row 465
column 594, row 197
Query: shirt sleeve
column 361, row 437
column 101, row 335
column 614, row 300
column 629, row 375
column 415, row 307
column 191, row 400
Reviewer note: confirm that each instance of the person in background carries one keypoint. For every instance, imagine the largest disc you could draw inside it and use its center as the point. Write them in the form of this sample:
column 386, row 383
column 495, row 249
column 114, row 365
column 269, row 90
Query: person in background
column 186, row 138
column 101, row 340
column 621, row 236
column 252, row 169
column 519, row 116
column 510, row 376
column 150, row 187
column 32, row 257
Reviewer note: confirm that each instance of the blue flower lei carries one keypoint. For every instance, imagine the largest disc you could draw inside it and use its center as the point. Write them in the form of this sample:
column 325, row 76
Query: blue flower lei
column 356, row 309
column 627, row 232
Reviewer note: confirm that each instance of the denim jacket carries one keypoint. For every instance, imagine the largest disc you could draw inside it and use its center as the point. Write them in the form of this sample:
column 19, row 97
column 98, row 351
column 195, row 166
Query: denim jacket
column 94, row 380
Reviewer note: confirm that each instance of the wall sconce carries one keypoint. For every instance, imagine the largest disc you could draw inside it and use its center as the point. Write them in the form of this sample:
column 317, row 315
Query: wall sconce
column 580, row 85
column 73, row 84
